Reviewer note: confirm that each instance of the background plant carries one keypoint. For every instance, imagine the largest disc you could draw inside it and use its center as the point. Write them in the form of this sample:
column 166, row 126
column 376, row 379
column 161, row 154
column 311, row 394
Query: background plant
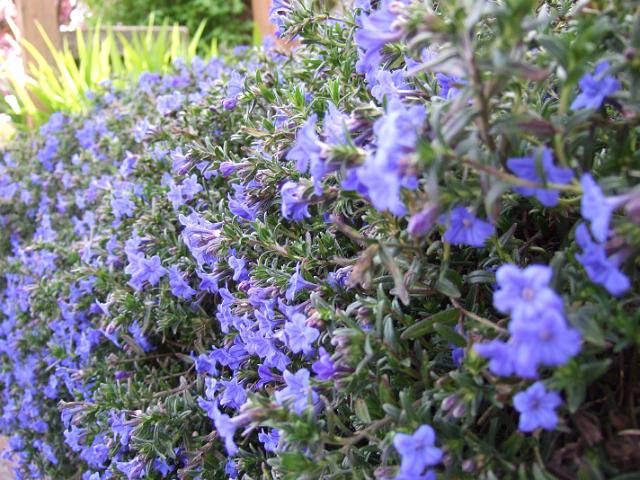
column 407, row 248
column 228, row 21
column 66, row 83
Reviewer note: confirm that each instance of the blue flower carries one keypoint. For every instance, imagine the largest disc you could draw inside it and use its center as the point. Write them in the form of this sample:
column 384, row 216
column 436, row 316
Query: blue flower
column 270, row 439
column 597, row 208
column 133, row 469
column 167, row 104
column 545, row 341
column 500, row 356
column 297, row 283
column 226, row 429
column 525, row 294
column 335, row 126
column 385, row 171
column 120, row 428
column 537, row 408
column 307, row 147
column 278, row 14
column 324, row 367
column 417, row 451
column 201, row 237
column 421, row 222
column 449, row 85
column 234, row 394
column 161, row 466
column 595, row 87
column 297, row 336
column 465, row 229
column 389, row 84
column 529, row 168
column 238, row 204
column 298, row 392
column 294, row 205
column 377, row 29
column 601, row 269
column 136, row 331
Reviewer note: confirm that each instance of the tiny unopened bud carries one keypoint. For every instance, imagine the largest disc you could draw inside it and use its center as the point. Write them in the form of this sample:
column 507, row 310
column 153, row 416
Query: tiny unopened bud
column 459, row 410
column 630, row 53
column 449, row 402
column 468, row 466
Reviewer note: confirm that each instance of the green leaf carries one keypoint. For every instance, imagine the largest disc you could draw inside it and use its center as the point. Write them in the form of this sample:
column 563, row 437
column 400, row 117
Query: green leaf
column 427, row 325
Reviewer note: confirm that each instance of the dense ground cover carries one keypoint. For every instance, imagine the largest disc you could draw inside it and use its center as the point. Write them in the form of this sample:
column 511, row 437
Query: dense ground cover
column 406, row 249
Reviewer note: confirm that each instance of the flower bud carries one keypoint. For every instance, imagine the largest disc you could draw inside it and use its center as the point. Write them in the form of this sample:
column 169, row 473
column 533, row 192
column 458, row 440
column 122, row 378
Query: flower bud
column 421, row 222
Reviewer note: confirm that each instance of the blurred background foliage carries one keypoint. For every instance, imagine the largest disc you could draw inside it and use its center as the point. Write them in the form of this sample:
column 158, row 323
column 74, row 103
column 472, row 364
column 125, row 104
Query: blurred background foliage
column 64, row 81
column 228, row 21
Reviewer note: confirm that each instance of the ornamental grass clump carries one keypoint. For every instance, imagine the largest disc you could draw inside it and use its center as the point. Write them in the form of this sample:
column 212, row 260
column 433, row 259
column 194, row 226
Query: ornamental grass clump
column 407, row 248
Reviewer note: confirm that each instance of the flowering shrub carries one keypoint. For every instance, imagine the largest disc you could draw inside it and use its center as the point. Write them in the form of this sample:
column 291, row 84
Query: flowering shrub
column 406, row 249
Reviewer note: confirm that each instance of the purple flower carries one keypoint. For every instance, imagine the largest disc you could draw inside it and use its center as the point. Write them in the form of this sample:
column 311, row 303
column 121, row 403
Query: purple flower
column 298, row 392
column 377, row 29
column 121, row 204
column 307, row 147
column 47, row 153
column 529, row 168
column 238, row 265
column 545, row 341
column 465, row 229
column 179, row 286
column 297, row 283
column 537, row 408
column 449, row 85
column 270, row 439
column 294, row 205
column 421, row 222
column 597, row 208
column 417, row 451
column 234, row 394
column 133, row 469
column 297, row 336
column 167, row 104
column 389, row 84
column 226, row 429
column 525, row 294
column 161, row 466
column 278, row 13
column 385, row 172
column 136, row 331
column 239, row 206
column 601, row 269
column 201, row 237
column 335, row 126
column 324, row 367
column 141, row 129
column 144, row 269
column 120, row 428
column 206, row 364
column 595, row 87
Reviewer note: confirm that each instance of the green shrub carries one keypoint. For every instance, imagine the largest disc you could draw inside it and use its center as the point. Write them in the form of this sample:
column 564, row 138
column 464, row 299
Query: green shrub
column 228, row 21
column 407, row 248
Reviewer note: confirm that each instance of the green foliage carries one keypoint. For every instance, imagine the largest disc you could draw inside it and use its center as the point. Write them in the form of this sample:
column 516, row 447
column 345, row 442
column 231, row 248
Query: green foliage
column 65, row 83
column 228, row 21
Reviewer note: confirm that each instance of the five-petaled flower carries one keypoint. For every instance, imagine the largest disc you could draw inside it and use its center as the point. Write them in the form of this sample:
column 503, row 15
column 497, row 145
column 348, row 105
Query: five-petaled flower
column 537, row 408
column 595, row 87
column 417, row 450
column 464, row 228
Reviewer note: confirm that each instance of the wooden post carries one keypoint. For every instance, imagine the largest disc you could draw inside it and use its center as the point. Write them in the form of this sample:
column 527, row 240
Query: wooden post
column 34, row 12
column 261, row 17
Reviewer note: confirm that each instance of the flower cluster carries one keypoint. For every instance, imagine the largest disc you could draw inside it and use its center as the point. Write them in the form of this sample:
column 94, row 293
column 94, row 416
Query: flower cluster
column 295, row 262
